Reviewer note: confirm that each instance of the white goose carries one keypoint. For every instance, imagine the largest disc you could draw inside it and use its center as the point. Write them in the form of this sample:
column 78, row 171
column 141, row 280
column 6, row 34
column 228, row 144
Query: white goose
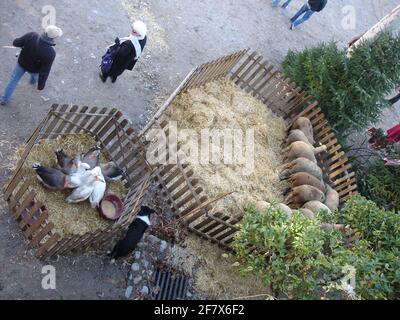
column 99, row 188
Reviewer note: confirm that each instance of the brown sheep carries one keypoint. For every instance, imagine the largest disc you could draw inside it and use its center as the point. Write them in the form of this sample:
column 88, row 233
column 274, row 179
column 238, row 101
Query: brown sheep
column 296, row 135
column 316, row 206
column 304, row 124
column 301, row 195
column 303, row 178
column 301, row 149
column 301, row 165
column 332, row 198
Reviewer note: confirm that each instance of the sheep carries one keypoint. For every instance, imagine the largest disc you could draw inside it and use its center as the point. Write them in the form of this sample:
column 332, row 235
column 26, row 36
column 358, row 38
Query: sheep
column 301, row 149
column 301, row 195
column 303, row 178
column 301, row 165
column 304, row 124
column 332, row 198
column 263, row 205
column 296, row 135
column 316, row 206
column 307, row 213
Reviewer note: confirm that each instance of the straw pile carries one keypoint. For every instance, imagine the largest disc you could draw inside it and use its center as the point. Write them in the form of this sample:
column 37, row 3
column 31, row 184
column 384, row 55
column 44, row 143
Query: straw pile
column 219, row 277
column 220, row 105
column 68, row 219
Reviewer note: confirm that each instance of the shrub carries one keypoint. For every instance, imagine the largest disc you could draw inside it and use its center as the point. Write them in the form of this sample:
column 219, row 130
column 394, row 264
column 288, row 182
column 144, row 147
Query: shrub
column 351, row 91
column 299, row 260
column 384, row 184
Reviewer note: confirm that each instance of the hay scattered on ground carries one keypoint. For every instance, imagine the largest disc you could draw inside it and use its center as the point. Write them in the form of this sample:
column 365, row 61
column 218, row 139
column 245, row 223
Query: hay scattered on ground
column 143, row 12
column 68, row 219
column 221, row 105
column 219, row 276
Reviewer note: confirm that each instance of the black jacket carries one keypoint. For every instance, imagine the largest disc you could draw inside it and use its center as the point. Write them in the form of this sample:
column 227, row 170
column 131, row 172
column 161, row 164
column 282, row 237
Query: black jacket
column 317, row 5
column 37, row 55
column 125, row 59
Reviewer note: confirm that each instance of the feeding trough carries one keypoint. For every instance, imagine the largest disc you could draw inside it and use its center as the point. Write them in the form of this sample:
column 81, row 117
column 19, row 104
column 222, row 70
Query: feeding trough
column 111, row 207
column 118, row 142
column 253, row 75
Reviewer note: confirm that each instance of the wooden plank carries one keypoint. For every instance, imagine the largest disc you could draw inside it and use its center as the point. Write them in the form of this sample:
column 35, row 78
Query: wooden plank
column 49, row 243
column 340, row 171
column 243, row 65
column 39, row 237
column 36, row 225
column 21, row 191
column 9, row 189
column 27, row 200
column 73, row 119
column 29, row 216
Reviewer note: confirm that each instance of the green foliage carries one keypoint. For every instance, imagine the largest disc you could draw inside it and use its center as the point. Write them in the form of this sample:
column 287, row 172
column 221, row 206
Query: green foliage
column 351, row 91
column 300, row 260
column 384, row 184
column 381, row 228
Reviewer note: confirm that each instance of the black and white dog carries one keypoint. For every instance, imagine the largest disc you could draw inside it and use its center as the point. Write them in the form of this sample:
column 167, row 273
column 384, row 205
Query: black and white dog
column 134, row 235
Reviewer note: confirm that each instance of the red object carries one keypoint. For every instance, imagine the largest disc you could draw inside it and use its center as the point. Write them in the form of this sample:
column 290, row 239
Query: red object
column 116, row 202
column 393, row 135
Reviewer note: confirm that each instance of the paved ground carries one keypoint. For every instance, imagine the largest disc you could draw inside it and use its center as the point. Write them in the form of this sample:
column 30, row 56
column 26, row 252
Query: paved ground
column 182, row 35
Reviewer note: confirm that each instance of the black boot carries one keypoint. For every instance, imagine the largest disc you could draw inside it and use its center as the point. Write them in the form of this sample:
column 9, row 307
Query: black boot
column 113, row 79
column 102, row 77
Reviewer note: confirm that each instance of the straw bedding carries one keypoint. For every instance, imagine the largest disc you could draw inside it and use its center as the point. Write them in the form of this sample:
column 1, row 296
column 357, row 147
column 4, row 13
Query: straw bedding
column 68, row 219
column 220, row 105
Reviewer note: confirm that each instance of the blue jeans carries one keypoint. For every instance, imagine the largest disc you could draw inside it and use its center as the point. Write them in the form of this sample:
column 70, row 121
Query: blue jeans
column 12, row 85
column 305, row 11
column 275, row 3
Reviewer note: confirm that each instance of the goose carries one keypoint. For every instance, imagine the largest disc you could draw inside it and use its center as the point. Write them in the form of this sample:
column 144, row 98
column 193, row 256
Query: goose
column 99, row 188
column 111, row 171
column 64, row 161
column 53, row 179
column 92, row 157
column 81, row 194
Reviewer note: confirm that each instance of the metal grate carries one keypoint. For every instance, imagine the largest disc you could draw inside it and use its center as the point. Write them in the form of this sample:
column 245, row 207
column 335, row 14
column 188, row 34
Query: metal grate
column 169, row 285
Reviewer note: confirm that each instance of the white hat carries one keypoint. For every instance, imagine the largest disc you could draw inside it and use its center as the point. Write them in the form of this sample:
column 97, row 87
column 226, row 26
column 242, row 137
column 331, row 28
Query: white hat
column 53, row 32
column 140, row 28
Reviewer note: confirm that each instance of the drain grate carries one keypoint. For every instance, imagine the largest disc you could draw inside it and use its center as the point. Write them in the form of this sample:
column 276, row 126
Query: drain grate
column 169, row 285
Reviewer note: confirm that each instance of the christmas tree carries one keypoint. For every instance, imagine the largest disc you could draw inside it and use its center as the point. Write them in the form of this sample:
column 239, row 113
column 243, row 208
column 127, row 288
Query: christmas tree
column 351, row 91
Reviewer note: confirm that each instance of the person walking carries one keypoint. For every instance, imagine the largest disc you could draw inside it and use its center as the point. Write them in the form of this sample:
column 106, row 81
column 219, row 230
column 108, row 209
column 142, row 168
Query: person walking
column 36, row 57
column 306, row 11
column 127, row 52
column 275, row 3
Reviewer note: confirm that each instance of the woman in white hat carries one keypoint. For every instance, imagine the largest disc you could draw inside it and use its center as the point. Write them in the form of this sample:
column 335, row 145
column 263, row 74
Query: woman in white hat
column 129, row 51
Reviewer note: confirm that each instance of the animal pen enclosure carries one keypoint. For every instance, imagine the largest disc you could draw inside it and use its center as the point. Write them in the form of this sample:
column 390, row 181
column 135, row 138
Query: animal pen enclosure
column 119, row 143
column 256, row 76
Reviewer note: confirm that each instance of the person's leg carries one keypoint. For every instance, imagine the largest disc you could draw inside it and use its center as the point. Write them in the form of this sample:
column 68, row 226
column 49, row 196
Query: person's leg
column 302, row 10
column 12, row 85
column 307, row 15
column 284, row 6
column 275, row 3
column 34, row 78
column 103, row 77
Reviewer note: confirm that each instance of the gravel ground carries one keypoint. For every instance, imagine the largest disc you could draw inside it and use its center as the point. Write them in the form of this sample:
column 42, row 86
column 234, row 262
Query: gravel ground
column 182, row 34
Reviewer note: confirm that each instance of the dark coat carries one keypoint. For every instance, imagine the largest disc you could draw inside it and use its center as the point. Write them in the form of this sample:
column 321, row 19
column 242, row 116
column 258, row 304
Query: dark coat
column 317, row 5
column 125, row 59
column 36, row 56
